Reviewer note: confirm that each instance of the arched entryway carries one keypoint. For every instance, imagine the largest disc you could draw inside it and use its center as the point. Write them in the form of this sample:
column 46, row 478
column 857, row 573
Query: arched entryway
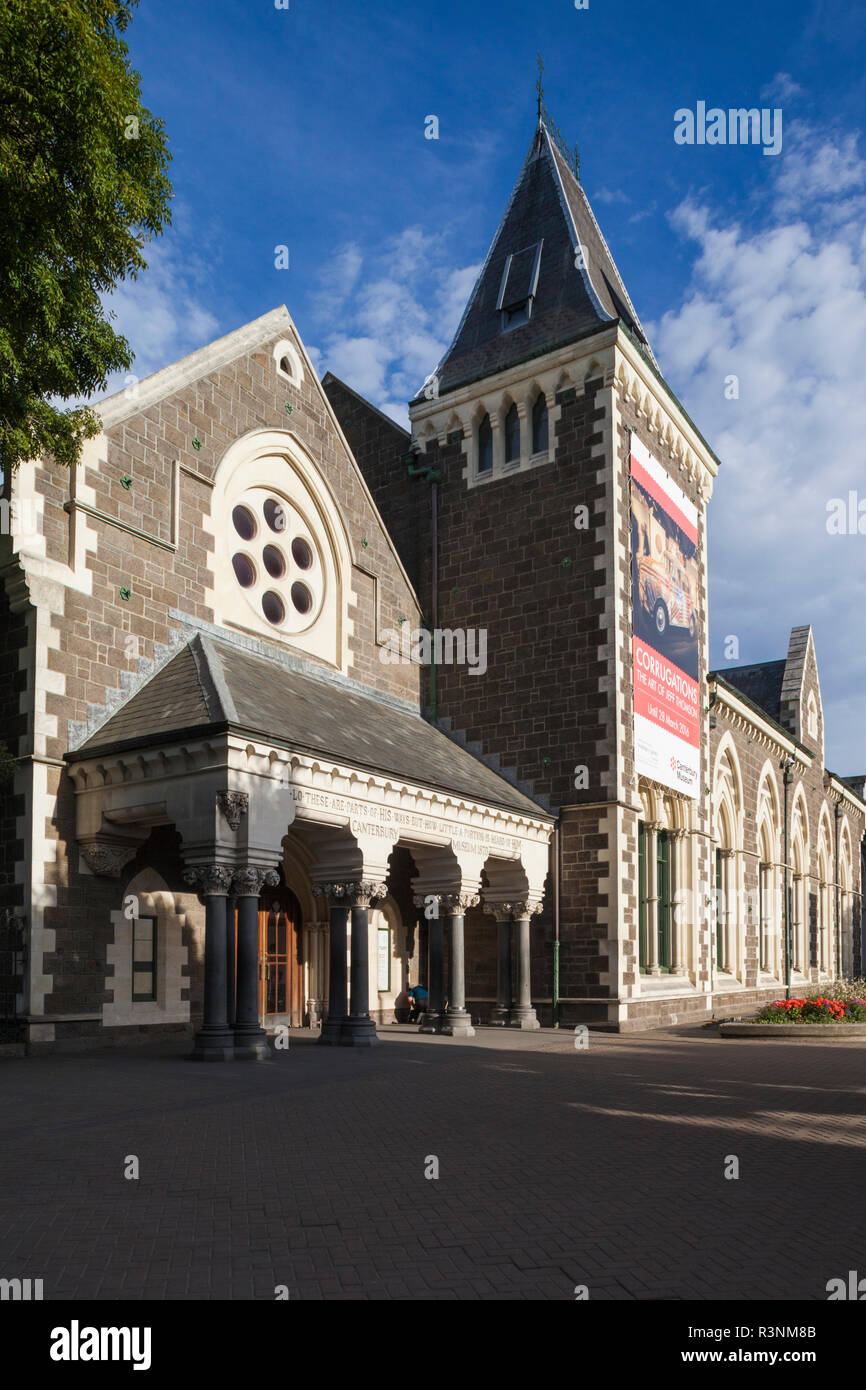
column 281, row 966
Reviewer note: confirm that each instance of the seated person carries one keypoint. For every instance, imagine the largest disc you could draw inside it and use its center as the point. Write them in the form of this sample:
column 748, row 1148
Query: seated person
column 418, row 996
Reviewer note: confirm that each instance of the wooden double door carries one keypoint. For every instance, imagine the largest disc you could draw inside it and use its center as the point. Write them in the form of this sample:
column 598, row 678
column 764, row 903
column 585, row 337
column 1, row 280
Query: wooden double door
column 281, row 966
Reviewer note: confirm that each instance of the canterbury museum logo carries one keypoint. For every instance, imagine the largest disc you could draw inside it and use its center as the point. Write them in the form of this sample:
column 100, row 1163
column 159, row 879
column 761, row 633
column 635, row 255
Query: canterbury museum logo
column 444, row 646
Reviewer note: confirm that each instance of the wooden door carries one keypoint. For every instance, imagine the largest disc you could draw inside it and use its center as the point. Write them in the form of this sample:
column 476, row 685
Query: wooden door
column 281, row 971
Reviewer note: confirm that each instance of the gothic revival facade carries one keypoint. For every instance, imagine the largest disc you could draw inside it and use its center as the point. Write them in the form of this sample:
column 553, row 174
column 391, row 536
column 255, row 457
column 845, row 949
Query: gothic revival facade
column 305, row 708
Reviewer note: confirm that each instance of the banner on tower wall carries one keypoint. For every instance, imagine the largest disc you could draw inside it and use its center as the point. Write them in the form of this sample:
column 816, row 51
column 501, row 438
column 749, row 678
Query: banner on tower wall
column 665, row 594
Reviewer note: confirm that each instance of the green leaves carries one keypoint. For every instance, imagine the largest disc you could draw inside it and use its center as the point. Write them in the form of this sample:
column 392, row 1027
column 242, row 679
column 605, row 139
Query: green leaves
column 84, row 187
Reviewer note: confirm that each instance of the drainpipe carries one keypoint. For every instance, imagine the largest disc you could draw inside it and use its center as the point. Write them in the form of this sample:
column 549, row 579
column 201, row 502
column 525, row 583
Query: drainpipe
column 787, row 779
column 434, row 478
column 838, row 973
column 555, row 874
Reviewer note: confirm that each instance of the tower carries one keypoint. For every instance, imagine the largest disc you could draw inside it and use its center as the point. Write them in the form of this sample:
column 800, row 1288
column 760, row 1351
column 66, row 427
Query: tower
column 570, row 492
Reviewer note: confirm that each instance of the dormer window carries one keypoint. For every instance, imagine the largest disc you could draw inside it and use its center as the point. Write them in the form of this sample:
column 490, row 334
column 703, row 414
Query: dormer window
column 485, row 446
column 512, row 436
column 539, row 425
column 518, row 286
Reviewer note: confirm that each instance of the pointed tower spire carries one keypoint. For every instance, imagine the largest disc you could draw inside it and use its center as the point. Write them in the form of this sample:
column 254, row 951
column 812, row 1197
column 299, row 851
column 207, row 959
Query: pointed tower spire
column 548, row 279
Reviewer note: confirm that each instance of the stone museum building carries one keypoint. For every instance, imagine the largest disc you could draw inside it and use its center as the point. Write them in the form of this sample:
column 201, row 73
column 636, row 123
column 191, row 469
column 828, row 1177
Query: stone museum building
column 301, row 709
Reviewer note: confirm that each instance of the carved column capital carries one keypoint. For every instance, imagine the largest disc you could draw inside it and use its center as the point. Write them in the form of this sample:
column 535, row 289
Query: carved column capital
column 106, row 857
column 523, row 907
column 233, row 806
column 209, row 880
column 354, row 893
column 248, row 882
column 678, row 833
column 727, row 853
column 458, row 904
column 654, row 825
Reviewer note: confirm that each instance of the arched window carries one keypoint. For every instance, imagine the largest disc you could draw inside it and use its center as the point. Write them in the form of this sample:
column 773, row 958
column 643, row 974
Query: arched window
column 485, row 446
column 539, row 425
column 512, row 436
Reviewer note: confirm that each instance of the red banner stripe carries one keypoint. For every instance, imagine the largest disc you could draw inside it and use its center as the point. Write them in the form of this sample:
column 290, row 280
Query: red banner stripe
column 646, row 481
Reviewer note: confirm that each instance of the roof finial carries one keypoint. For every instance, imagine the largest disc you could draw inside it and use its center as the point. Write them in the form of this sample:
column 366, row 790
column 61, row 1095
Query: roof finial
column 539, row 86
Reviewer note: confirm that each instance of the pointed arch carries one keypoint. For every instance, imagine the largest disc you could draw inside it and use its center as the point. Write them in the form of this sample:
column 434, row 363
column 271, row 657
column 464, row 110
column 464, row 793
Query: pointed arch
column 511, row 433
column 539, row 424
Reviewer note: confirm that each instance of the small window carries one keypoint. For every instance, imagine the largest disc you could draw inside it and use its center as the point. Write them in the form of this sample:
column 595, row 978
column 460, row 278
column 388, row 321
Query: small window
column 512, row 436
column 143, row 960
column 485, row 446
column 539, row 425
column 518, row 285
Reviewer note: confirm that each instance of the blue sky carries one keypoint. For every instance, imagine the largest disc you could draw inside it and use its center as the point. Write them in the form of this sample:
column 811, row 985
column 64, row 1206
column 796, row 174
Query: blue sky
column 305, row 127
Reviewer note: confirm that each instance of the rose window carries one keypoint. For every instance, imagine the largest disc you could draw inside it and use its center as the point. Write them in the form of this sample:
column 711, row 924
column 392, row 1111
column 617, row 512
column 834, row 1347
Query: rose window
column 276, row 560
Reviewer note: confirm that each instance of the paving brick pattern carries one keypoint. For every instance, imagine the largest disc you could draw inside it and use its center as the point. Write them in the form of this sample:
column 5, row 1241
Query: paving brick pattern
column 557, row 1167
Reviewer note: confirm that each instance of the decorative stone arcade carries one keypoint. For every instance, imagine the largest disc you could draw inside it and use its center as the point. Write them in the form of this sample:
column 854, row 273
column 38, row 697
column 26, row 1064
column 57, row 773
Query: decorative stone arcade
column 242, row 809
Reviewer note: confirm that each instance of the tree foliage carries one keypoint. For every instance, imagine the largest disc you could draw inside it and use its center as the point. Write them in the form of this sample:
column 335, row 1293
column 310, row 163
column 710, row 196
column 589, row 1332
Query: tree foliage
column 83, row 188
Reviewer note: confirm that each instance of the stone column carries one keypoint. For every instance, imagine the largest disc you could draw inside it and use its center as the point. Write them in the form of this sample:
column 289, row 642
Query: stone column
column 728, row 872
column 680, row 902
column 214, row 1041
column 250, row 1037
column 434, row 1017
column 457, row 1022
column 523, row 1014
column 652, row 899
column 338, row 1000
column 314, row 938
column 796, row 922
column 231, row 963
column 359, row 1030
column 501, row 1014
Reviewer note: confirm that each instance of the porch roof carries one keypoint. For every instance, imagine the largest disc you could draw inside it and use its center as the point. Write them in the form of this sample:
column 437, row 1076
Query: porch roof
column 212, row 686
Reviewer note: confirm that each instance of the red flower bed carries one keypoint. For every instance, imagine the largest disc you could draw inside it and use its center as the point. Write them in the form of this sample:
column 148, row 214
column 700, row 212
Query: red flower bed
column 819, row 1010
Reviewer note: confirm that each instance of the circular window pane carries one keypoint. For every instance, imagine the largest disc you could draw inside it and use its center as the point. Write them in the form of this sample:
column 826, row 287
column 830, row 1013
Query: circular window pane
column 244, row 569
column 301, row 597
column 301, row 553
column 244, row 522
column 273, row 607
column 274, row 562
column 275, row 514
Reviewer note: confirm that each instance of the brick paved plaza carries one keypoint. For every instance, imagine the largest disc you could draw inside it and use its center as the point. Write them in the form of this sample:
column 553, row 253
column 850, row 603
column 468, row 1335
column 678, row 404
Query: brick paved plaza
column 558, row 1167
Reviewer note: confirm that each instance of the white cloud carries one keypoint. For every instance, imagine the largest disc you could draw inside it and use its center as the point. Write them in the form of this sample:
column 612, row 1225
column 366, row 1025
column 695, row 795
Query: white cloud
column 160, row 313
column 818, row 166
column 610, row 195
column 781, row 88
column 783, row 307
column 397, row 310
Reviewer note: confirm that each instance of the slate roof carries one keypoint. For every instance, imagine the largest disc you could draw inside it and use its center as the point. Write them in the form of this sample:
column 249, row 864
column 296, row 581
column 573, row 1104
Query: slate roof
column 214, row 686
column 547, row 205
column 761, row 683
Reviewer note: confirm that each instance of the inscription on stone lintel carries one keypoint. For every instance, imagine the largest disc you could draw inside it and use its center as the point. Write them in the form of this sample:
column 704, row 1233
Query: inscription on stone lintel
column 368, row 819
